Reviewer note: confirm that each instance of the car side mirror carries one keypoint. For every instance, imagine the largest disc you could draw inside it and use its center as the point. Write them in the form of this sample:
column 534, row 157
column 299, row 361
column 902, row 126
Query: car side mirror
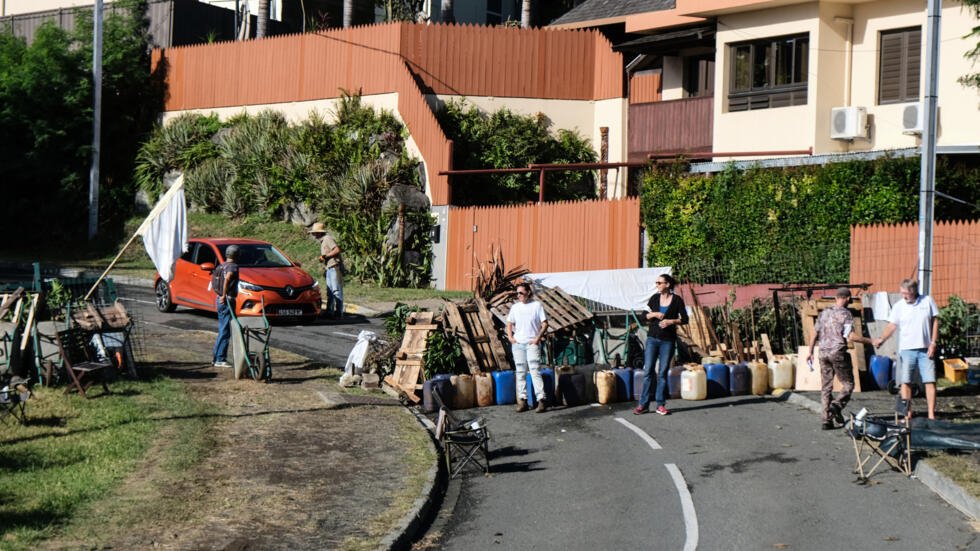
column 208, row 266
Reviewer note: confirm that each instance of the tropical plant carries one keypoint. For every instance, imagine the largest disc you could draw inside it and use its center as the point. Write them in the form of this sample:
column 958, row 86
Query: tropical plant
column 395, row 323
column 443, row 354
column 503, row 139
column 958, row 320
column 973, row 79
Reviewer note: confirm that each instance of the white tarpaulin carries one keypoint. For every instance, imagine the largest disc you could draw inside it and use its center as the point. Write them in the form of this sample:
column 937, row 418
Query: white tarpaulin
column 628, row 289
column 165, row 230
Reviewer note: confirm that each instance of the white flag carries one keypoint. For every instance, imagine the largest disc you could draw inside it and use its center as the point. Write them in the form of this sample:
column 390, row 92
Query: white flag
column 165, row 230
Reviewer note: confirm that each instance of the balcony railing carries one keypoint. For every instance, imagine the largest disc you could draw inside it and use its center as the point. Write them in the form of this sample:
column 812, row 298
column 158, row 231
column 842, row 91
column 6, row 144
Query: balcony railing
column 665, row 126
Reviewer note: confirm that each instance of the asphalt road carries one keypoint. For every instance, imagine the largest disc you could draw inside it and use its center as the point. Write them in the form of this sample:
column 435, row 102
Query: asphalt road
column 324, row 341
column 738, row 473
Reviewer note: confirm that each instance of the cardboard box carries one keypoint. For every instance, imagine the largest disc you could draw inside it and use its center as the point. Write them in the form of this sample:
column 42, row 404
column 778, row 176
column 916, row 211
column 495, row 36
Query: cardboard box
column 954, row 369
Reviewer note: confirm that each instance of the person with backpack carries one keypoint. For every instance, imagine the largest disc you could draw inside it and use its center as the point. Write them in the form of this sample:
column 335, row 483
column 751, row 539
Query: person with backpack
column 224, row 283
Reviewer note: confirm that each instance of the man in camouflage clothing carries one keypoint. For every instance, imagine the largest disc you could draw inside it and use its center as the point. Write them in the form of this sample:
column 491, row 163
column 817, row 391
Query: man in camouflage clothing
column 833, row 329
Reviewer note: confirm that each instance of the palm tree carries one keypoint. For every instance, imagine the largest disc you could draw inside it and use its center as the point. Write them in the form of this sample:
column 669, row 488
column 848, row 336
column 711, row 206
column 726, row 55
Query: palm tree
column 526, row 14
column 263, row 20
column 447, row 15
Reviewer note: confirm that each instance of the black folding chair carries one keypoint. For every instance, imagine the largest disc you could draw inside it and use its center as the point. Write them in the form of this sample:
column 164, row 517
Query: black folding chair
column 14, row 393
column 464, row 442
column 890, row 439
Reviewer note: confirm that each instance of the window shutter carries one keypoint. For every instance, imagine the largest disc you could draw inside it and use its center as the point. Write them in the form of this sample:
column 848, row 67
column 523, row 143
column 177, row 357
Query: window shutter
column 913, row 56
column 890, row 68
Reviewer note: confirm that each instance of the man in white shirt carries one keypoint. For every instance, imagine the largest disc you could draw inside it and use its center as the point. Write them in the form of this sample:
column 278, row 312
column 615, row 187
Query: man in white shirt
column 526, row 324
column 917, row 319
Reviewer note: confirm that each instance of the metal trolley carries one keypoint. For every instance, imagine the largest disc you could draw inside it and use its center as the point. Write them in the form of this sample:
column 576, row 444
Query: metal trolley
column 250, row 345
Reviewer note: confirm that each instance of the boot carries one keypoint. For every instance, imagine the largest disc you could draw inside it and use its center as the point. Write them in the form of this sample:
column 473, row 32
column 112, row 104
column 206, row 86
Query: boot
column 542, row 407
column 521, row 405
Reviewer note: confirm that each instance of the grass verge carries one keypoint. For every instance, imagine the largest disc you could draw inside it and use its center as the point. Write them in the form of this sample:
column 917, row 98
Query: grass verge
column 75, row 451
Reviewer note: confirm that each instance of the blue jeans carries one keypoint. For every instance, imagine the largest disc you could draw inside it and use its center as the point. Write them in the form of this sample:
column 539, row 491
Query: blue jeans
column 220, row 353
column 915, row 359
column 663, row 351
column 528, row 356
column 335, row 291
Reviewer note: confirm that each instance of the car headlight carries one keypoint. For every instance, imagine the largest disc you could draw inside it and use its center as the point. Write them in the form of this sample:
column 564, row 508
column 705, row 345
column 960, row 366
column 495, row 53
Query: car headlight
column 246, row 286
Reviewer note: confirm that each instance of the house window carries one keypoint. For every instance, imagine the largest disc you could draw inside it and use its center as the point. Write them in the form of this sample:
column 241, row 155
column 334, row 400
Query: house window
column 494, row 12
column 898, row 68
column 699, row 76
column 769, row 73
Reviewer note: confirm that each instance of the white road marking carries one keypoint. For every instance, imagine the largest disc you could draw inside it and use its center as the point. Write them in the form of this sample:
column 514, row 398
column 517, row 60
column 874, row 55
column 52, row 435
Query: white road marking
column 348, row 335
column 687, row 505
column 639, row 432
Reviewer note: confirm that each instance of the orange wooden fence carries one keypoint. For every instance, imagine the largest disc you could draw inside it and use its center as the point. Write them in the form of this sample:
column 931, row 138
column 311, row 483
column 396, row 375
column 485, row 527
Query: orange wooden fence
column 645, row 87
column 884, row 255
column 544, row 237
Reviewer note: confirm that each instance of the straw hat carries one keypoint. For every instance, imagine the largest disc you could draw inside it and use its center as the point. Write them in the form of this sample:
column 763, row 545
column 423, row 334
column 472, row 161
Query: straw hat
column 318, row 227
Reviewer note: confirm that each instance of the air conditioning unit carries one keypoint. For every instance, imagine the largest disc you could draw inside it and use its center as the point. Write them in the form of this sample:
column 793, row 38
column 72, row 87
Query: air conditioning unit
column 847, row 123
column 912, row 118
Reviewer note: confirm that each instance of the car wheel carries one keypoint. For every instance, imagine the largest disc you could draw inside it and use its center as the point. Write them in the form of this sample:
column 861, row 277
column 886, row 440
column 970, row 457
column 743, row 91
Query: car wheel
column 164, row 302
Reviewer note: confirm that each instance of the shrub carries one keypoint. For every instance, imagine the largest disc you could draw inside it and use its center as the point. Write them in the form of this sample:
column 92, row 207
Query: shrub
column 503, row 139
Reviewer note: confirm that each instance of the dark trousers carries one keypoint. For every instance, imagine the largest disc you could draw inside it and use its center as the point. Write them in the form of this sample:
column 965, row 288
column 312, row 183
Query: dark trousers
column 837, row 364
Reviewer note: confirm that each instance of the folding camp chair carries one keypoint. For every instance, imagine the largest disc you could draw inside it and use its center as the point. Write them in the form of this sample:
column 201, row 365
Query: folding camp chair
column 463, row 442
column 14, row 393
column 877, row 435
column 82, row 368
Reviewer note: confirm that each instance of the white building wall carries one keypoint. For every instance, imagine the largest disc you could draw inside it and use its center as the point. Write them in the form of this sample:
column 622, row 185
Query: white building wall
column 800, row 127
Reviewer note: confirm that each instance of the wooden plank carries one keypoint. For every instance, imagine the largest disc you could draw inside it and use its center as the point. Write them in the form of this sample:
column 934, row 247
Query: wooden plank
column 499, row 353
column 810, row 380
column 767, row 347
column 30, row 321
column 462, row 332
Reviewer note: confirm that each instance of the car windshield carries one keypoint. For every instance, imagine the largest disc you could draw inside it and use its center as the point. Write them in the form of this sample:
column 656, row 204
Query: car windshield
column 258, row 256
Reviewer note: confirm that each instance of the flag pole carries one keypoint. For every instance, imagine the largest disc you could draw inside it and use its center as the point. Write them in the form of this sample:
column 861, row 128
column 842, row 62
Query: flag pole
column 111, row 264
column 160, row 206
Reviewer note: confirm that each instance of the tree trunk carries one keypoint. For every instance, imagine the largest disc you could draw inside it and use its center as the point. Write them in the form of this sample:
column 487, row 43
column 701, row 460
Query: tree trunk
column 526, row 14
column 348, row 13
column 262, row 25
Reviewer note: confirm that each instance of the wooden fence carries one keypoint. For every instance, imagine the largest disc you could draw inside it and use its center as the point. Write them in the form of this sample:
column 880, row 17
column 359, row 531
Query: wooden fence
column 544, row 237
column 884, row 255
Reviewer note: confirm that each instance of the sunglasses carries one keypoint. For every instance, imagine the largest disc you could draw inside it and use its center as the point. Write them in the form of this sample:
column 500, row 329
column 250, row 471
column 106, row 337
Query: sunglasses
column 521, row 294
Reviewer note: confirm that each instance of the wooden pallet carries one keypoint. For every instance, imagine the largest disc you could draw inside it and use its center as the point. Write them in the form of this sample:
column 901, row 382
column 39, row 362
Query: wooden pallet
column 409, row 375
column 810, row 310
column 562, row 310
column 473, row 326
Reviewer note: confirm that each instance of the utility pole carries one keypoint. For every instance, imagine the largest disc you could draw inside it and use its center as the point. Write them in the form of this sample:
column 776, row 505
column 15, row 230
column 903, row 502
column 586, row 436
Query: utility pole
column 927, row 160
column 93, row 176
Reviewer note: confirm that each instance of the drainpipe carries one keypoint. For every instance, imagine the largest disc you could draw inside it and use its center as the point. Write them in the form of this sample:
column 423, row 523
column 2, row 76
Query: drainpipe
column 849, row 47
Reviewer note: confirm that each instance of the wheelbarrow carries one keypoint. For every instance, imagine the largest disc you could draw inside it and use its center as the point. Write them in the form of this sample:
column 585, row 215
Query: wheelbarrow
column 250, row 345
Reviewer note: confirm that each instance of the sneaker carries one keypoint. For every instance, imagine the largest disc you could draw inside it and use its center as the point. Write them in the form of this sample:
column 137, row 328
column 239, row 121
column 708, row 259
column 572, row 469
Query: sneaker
column 639, row 410
column 542, row 407
column 221, row 363
column 521, row 405
column 827, row 425
column 661, row 410
column 836, row 414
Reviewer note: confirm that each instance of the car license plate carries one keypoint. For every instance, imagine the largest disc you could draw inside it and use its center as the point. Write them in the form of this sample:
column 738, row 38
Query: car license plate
column 290, row 312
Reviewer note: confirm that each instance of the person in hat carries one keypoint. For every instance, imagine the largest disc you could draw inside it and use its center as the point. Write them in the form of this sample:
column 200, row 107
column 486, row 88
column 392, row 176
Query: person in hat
column 333, row 272
column 225, row 288
column 832, row 331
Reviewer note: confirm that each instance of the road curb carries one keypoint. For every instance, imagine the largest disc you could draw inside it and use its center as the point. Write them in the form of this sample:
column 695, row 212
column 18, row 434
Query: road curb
column 357, row 309
column 411, row 525
column 939, row 483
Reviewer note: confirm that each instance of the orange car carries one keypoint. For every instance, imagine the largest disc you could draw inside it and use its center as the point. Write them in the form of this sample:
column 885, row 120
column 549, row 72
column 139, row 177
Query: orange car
column 264, row 273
